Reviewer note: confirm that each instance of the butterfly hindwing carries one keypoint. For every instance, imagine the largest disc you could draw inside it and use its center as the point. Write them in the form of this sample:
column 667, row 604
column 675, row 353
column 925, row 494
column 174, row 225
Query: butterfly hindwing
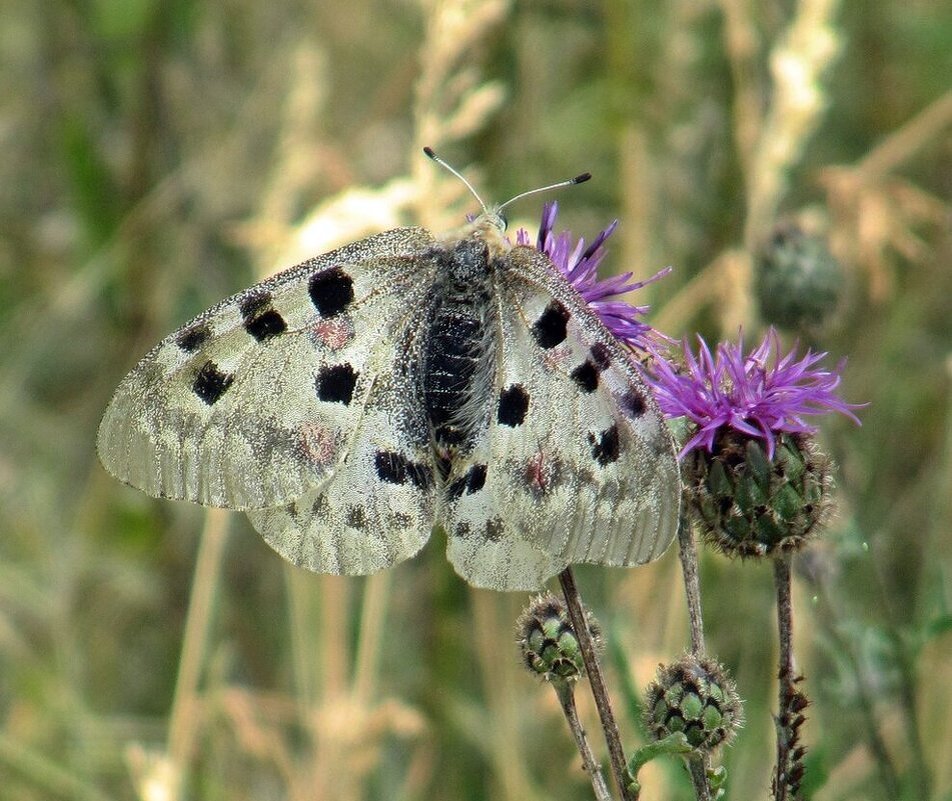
column 484, row 539
column 255, row 401
column 377, row 508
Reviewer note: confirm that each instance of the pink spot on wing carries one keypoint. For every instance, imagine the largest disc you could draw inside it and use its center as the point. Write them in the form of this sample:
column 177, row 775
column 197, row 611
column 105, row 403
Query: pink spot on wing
column 333, row 333
column 539, row 473
column 318, row 443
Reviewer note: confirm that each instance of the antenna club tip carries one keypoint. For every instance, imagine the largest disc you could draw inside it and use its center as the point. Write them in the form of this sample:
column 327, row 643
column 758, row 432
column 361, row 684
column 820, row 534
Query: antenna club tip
column 581, row 179
column 430, row 152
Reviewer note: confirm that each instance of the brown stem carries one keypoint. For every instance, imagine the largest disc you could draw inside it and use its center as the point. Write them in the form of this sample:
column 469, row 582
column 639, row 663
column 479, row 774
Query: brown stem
column 697, row 767
column 788, row 771
column 596, row 681
column 687, row 550
column 566, row 693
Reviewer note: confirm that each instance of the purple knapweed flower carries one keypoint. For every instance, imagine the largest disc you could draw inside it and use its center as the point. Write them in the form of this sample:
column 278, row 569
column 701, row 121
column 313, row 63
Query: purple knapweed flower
column 762, row 394
column 579, row 265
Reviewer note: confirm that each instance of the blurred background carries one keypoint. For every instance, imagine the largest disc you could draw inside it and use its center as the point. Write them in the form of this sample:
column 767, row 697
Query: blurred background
column 791, row 160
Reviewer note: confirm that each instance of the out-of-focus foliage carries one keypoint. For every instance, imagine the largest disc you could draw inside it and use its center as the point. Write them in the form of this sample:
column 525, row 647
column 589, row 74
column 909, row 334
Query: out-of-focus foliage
column 158, row 156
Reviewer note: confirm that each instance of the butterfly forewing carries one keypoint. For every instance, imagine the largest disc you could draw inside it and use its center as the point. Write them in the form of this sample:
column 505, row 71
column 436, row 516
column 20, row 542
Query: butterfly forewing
column 576, row 464
column 623, row 496
column 255, row 401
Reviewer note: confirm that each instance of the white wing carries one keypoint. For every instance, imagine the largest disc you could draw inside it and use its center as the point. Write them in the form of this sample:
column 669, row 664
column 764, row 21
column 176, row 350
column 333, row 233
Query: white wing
column 377, row 507
column 576, row 464
column 255, row 402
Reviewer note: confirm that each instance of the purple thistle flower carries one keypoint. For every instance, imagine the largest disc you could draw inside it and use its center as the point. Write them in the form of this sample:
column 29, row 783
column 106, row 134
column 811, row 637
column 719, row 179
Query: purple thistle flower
column 579, row 265
column 762, row 394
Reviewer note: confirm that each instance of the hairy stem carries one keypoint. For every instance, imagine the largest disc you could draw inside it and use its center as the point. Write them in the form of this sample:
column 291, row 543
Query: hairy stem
column 697, row 767
column 698, row 764
column 788, row 771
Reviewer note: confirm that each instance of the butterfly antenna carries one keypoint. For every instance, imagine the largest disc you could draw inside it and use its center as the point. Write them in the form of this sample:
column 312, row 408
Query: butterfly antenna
column 431, row 154
column 578, row 179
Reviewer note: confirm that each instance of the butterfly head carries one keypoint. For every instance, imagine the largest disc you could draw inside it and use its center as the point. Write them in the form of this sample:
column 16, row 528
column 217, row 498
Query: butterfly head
column 490, row 226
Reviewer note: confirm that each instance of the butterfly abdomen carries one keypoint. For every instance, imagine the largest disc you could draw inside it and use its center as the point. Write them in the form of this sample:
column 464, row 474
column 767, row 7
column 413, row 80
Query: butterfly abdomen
column 456, row 357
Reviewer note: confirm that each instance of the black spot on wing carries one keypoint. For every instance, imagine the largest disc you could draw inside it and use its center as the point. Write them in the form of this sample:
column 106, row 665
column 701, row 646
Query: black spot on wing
column 476, row 478
column 331, row 291
column 601, row 356
column 336, row 384
column 473, row 481
column 191, row 339
column 395, row 468
column 606, row 446
column 356, row 517
column 495, row 528
column 259, row 319
column 266, row 325
column 633, row 403
column 586, row 376
column 211, row 383
column 513, row 404
column 321, row 507
column 549, row 330
column 253, row 303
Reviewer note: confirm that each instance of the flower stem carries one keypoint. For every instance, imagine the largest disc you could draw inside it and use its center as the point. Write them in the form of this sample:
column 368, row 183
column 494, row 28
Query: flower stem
column 687, row 550
column 698, row 764
column 573, row 602
column 697, row 767
column 788, row 771
column 566, row 693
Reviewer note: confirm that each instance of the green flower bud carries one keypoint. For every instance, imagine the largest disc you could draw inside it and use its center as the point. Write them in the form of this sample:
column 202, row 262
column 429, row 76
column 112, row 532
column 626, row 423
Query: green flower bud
column 694, row 696
column 797, row 281
column 749, row 505
column 547, row 640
